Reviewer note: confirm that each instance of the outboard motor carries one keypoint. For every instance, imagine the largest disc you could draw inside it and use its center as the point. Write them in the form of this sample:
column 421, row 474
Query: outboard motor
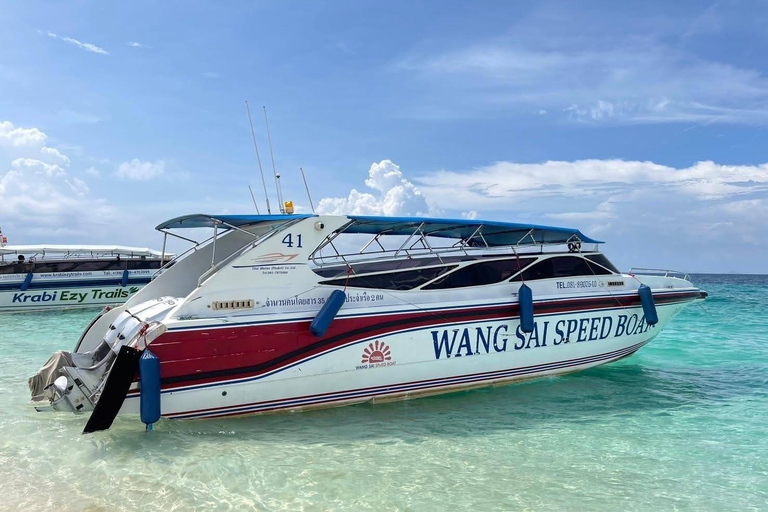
column 73, row 381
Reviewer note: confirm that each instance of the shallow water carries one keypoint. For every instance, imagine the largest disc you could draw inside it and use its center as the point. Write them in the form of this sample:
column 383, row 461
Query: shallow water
column 682, row 425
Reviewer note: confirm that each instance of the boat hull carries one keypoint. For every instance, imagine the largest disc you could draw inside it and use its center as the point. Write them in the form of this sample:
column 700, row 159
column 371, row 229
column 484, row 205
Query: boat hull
column 62, row 296
column 268, row 368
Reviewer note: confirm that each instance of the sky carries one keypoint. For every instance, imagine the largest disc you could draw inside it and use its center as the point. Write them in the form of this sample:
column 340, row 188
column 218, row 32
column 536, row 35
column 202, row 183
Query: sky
column 641, row 123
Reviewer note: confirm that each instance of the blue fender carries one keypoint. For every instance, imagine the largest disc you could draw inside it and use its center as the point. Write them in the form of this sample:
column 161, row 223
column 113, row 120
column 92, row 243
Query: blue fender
column 124, row 280
column 149, row 382
column 327, row 313
column 26, row 282
column 525, row 298
column 649, row 306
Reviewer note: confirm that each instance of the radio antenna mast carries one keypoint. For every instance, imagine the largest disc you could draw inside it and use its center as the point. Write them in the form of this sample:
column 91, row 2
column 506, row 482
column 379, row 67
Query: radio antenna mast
column 258, row 158
column 307, row 187
column 274, row 170
column 254, row 201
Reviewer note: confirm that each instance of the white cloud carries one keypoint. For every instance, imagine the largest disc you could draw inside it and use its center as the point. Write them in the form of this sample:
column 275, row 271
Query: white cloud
column 652, row 214
column 92, row 171
column 84, row 46
column 134, row 44
column 495, row 185
column 138, row 170
column 37, row 166
column 29, row 143
column 40, row 200
column 471, row 215
column 55, row 154
column 78, row 186
column 750, row 220
column 603, row 211
column 20, row 137
column 42, row 204
column 628, row 77
column 395, row 195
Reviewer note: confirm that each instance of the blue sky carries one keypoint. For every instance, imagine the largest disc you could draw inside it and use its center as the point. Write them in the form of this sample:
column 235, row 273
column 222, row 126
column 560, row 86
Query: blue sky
column 641, row 123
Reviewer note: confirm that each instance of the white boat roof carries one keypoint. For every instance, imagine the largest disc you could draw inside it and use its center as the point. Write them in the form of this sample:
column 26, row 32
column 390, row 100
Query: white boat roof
column 80, row 250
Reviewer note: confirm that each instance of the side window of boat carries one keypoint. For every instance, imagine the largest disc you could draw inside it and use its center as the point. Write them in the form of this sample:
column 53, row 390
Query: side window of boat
column 478, row 274
column 15, row 268
column 68, row 266
column 405, row 280
column 567, row 266
column 562, row 266
column 46, row 267
column 540, row 270
column 99, row 265
column 600, row 259
column 143, row 264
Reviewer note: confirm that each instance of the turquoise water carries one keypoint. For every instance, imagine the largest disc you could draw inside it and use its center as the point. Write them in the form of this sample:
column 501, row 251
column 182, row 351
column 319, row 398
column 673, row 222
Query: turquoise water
column 682, row 425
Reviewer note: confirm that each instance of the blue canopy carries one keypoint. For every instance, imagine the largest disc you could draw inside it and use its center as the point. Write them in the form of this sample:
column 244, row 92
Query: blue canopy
column 201, row 220
column 494, row 233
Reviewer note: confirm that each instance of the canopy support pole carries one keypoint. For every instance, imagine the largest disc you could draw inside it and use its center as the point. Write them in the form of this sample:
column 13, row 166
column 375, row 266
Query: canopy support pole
column 213, row 252
column 162, row 258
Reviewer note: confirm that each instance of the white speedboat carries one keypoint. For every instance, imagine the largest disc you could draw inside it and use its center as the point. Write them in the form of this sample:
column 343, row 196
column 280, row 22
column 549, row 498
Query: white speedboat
column 280, row 313
column 39, row 277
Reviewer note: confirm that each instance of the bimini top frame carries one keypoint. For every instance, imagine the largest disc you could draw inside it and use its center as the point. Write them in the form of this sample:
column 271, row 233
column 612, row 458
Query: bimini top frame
column 417, row 231
column 220, row 224
column 483, row 232
column 79, row 251
column 468, row 234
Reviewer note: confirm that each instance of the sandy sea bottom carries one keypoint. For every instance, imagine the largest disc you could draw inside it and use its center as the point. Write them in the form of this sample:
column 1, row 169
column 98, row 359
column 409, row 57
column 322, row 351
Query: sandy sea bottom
column 682, row 425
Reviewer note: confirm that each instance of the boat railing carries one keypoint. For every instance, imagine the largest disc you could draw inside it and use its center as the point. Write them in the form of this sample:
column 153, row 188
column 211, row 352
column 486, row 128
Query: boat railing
column 642, row 271
column 353, row 259
column 420, row 243
column 356, row 258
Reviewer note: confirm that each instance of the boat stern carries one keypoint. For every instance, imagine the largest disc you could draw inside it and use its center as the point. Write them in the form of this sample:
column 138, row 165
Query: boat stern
column 74, row 381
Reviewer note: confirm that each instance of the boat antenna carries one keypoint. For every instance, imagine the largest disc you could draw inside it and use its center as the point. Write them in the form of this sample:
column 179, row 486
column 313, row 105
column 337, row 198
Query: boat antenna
column 258, row 157
column 307, row 187
column 272, row 156
column 254, row 201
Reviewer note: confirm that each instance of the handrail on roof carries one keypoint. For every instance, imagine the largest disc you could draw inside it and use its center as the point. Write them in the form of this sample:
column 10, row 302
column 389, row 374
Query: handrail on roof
column 663, row 272
column 86, row 250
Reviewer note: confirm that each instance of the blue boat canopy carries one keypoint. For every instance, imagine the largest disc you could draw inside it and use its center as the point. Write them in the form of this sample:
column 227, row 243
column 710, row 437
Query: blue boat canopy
column 493, row 233
column 202, row 220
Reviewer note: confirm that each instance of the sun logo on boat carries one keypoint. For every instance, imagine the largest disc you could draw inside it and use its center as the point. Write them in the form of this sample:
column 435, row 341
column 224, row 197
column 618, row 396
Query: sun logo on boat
column 376, row 352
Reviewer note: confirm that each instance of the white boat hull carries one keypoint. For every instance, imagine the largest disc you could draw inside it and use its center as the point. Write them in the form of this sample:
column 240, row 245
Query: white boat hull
column 62, row 296
column 72, row 290
column 431, row 359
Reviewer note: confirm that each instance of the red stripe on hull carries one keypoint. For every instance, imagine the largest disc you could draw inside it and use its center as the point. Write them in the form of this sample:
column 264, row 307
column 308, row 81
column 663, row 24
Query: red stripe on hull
column 212, row 350
column 207, row 355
